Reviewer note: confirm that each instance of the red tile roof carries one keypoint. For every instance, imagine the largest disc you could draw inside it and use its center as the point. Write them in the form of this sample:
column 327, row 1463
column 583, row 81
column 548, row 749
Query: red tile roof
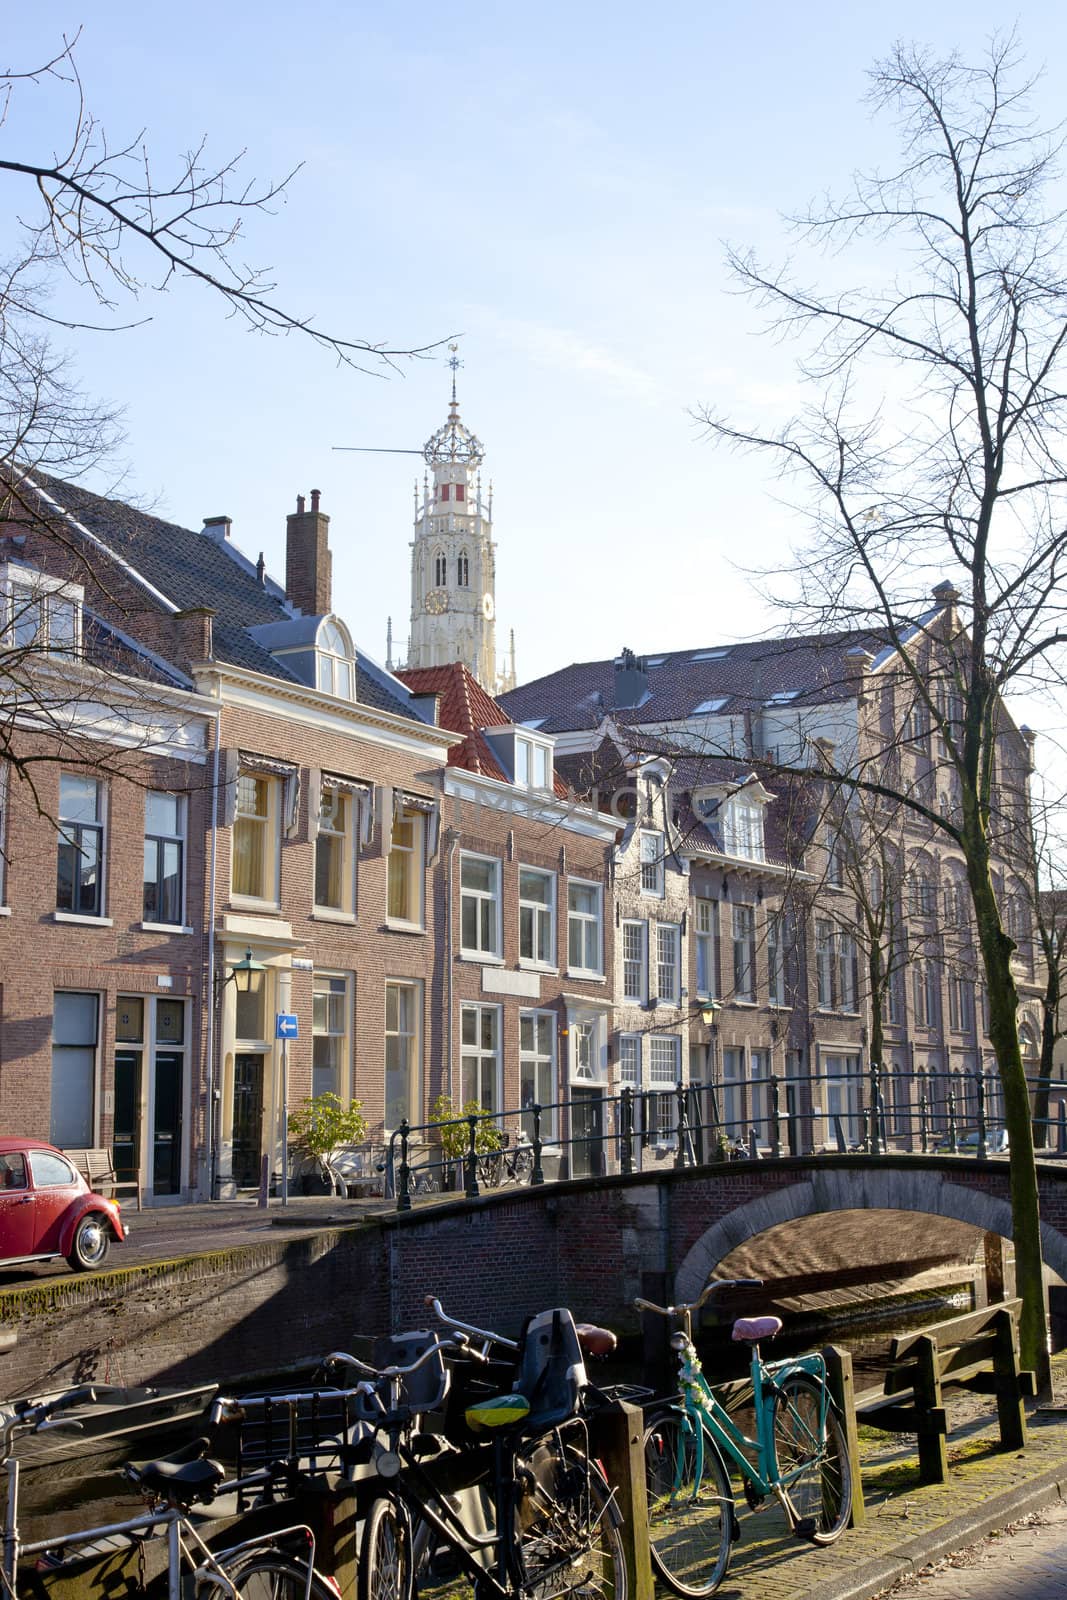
column 464, row 707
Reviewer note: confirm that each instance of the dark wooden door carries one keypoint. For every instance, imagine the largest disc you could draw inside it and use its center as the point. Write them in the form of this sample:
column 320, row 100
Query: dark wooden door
column 247, row 1119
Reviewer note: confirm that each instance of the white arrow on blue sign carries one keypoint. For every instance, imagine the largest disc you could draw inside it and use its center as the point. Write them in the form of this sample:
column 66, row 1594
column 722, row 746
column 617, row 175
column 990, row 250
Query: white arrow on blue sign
column 285, row 1026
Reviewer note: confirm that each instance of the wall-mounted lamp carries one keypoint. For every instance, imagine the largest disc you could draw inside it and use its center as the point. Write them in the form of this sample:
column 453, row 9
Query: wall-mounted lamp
column 240, row 975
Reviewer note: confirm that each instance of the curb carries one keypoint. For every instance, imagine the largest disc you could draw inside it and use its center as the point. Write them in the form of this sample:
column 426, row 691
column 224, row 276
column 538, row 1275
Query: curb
column 868, row 1578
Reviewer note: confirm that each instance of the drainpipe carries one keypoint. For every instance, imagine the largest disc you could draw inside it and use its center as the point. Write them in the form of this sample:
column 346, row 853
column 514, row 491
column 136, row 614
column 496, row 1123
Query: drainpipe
column 452, row 839
column 213, row 1108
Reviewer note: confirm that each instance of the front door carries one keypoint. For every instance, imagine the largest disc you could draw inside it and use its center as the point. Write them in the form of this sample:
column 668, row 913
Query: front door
column 587, row 1133
column 247, row 1119
column 126, row 1138
column 167, row 1129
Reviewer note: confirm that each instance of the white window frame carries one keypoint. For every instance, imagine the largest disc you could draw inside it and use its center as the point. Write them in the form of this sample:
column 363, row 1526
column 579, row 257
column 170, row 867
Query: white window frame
column 342, row 1087
column 661, row 1071
column 742, row 829
column 99, row 827
column 93, row 1046
column 668, row 963
column 541, row 1068
column 181, row 840
column 347, row 835
column 412, row 989
column 705, row 918
column 481, row 899
column 776, row 942
column 336, row 665
column 744, row 951
column 414, row 855
column 533, row 764
column 481, row 1057
column 634, row 934
column 630, row 1059
column 540, row 916
column 652, row 849
column 270, row 837
column 586, row 920
column 24, row 589
column 733, row 1077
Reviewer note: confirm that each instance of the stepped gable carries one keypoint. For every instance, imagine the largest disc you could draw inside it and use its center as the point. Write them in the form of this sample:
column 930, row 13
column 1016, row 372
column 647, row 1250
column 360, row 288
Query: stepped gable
column 192, row 570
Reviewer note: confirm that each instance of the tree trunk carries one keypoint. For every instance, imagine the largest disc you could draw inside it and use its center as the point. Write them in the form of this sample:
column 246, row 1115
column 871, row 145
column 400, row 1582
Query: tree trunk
column 1050, row 1006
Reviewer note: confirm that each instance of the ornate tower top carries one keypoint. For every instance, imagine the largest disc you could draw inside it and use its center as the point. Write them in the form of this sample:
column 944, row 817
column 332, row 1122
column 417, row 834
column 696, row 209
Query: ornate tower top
column 454, row 443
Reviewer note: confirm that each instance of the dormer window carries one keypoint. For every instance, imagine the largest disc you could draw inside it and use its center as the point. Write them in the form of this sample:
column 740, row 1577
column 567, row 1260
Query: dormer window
column 742, row 828
column 533, row 764
column 40, row 612
column 335, row 667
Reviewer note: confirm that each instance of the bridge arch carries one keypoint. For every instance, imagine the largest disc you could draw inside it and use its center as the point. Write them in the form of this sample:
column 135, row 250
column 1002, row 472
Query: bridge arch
column 930, row 1192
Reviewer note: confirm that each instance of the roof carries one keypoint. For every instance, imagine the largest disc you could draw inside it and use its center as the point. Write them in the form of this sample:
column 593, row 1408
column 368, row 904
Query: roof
column 192, row 569
column 464, row 707
column 684, row 683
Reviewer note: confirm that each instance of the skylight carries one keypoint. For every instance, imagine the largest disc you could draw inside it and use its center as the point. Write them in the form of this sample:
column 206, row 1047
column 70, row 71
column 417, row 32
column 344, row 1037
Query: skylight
column 782, row 697
column 710, row 705
column 655, row 661
column 710, row 655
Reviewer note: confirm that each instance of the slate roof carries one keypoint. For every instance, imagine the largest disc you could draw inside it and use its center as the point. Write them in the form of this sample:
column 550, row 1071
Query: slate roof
column 191, row 570
column 464, row 707
column 741, row 676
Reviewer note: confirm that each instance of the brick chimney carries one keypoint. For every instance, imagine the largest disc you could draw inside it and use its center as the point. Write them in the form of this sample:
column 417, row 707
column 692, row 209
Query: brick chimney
column 307, row 558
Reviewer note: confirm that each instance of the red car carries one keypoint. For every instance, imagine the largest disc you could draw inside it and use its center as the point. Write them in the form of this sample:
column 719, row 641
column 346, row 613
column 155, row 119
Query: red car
column 48, row 1210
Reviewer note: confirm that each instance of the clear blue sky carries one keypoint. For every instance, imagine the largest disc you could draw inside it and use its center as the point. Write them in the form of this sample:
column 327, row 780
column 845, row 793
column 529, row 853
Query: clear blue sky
column 554, row 183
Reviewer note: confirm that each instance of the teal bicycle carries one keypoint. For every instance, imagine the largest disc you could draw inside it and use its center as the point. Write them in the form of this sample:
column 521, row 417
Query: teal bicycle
column 799, row 1455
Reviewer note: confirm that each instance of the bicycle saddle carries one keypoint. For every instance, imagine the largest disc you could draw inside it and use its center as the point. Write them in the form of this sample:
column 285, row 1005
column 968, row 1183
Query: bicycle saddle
column 595, row 1341
column 180, row 1478
column 751, row 1330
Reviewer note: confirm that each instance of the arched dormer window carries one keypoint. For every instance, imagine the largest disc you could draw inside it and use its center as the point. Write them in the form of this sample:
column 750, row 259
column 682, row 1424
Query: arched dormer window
column 463, row 568
column 440, row 570
column 335, row 664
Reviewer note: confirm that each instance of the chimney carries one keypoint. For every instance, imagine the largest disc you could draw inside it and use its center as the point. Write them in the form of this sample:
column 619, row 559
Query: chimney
column 631, row 680
column 307, row 558
column 217, row 528
column 194, row 633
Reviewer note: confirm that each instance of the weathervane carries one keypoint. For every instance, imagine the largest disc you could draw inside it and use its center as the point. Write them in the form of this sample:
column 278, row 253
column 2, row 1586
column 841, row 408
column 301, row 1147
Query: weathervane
column 453, row 442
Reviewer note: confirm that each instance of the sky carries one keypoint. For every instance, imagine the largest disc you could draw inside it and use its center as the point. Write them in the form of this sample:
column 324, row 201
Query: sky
column 551, row 186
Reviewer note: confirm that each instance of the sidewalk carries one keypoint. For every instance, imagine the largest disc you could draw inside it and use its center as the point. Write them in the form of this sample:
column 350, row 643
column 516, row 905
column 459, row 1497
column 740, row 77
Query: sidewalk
column 909, row 1525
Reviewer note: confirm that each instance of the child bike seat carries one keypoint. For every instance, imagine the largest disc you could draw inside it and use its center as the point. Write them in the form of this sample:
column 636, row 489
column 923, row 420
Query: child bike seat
column 750, row 1330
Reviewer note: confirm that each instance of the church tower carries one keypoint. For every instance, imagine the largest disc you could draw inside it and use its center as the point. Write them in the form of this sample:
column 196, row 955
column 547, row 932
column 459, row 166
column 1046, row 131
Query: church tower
column 453, row 567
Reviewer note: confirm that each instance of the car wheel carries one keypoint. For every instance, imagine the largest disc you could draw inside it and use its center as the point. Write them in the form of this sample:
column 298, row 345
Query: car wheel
column 91, row 1240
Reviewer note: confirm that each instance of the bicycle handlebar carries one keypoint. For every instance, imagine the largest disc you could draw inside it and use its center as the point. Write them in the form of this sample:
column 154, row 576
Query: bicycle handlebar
column 695, row 1305
column 482, row 1335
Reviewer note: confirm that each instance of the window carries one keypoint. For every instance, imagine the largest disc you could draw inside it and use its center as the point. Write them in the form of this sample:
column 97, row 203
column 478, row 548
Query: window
column 630, row 1059
column 537, row 1069
column 75, row 1025
column 652, row 864
column 334, row 852
column 923, row 892
column 835, row 856
column 80, row 861
column 479, row 878
column 336, row 669
column 533, row 765
column 960, row 1003
column 704, row 922
column 537, row 917
column 733, row 1070
column 742, row 832
column 40, row 612
column 461, row 492
column 925, row 993
column 329, row 1036
column 463, row 568
column 635, row 962
column 440, row 570
column 164, row 849
column 402, row 1012
column 845, row 972
column 744, row 941
column 916, row 724
column 256, row 838
column 665, row 1058
column 480, row 1055
column 445, row 491
column 584, row 942
column 776, row 961
column 668, row 942
column 835, row 967
column 759, row 1094
column 405, row 886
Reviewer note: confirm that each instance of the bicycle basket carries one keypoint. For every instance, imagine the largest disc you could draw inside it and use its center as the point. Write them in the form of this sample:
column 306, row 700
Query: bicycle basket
column 424, row 1389
column 307, row 1429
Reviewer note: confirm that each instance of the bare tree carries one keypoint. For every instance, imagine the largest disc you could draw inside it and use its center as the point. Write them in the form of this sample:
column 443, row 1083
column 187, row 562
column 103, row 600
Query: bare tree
column 963, row 478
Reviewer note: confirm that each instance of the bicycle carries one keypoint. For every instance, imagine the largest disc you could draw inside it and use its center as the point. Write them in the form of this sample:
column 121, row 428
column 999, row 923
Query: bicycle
column 506, row 1164
column 509, row 1494
column 259, row 1568
column 799, row 1454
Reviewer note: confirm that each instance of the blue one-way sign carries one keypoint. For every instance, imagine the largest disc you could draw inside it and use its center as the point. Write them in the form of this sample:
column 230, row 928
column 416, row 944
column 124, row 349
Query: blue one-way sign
column 285, row 1026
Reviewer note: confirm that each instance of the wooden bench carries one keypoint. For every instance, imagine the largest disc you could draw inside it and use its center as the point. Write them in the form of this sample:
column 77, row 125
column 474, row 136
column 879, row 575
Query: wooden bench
column 978, row 1351
column 97, row 1167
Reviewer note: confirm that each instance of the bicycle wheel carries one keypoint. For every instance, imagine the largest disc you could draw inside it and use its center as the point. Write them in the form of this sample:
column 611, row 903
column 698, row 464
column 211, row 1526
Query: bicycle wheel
column 690, row 1516
column 522, row 1165
column 487, row 1167
column 385, row 1565
column 568, row 1529
column 815, row 1470
column 269, row 1575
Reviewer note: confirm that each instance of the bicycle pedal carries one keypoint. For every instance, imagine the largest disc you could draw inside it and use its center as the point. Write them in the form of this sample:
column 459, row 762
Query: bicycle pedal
column 805, row 1527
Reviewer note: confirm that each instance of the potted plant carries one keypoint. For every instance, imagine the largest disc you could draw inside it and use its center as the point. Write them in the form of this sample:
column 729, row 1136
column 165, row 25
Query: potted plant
column 455, row 1135
column 317, row 1128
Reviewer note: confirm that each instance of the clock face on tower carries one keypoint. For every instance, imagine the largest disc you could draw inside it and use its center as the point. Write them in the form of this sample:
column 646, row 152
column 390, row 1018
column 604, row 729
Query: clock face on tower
column 436, row 602
column 487, row 607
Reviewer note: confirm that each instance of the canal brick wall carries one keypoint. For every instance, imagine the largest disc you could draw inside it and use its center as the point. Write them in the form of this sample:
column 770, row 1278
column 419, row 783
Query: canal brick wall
column 591, row 1244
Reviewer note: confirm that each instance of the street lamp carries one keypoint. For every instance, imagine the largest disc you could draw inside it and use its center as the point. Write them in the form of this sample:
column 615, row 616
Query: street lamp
column 709, row 1010
column 241, row 972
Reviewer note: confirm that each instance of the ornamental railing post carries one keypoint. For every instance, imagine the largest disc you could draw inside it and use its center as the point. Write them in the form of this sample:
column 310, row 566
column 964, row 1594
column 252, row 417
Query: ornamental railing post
column 683, row 1126
column 403, row 1187
column 472, row 1191
column 626, row 1130
column 979, row 1091
column 776, row 1115
column 924, row 1119
column 537, row 1176
column 953, row 1142
column 876, row 1110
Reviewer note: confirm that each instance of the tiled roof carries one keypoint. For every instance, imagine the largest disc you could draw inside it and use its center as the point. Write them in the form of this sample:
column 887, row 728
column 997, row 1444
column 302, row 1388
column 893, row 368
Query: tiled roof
column 740, row 676
column 464, row 707
column 191, row 570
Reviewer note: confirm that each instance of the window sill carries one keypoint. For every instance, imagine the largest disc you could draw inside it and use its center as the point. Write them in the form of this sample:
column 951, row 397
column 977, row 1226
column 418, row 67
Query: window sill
column 82, row 921
column 538, row 966
column 394, row 925
column 5, row 911
column 164, row 927
column 481, row 958
column 580, row 976
column 325, row 914
column 736, row 1000
column 247, row 902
